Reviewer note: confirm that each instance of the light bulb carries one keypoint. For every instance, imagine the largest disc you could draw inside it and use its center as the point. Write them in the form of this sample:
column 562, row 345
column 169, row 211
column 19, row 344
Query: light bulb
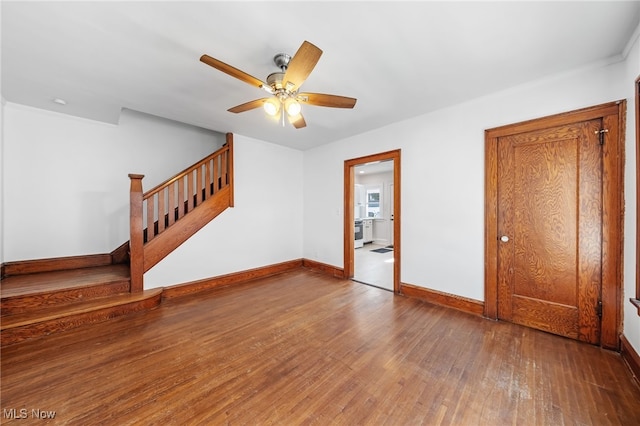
column 292, row 106
column 271, row 106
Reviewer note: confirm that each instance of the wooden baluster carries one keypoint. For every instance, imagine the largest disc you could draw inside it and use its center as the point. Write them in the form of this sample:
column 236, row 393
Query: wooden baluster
column 216, row 182
column 180, row 197
column 199, row 186
column 136, row 243
column 151, row 232
column 187, row 188
column 190, row 191
column 171, row 206
column 230, row 166
column 207, row 179
column 162, row 214
column 223, row 174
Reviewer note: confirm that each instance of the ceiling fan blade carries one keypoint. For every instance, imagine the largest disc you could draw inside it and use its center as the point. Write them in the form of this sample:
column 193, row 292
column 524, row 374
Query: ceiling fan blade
column 298, row 121
column 301, row 65
column 321, row 99
column 248, row 105
column 234, row 72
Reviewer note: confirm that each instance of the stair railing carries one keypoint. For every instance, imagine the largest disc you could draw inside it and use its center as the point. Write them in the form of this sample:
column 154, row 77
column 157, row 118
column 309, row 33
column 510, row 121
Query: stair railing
column 163, row 208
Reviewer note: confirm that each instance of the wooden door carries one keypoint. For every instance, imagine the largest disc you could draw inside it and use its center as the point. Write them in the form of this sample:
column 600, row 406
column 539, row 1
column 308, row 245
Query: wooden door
column 550, row 229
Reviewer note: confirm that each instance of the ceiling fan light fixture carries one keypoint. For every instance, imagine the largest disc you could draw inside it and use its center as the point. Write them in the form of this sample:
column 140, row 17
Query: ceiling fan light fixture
column 272, row 106
column 292, row 107
column 284, row 85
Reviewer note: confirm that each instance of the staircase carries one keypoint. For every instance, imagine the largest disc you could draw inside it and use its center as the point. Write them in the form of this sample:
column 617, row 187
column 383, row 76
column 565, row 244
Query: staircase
column 45, row 296
column 41, row 301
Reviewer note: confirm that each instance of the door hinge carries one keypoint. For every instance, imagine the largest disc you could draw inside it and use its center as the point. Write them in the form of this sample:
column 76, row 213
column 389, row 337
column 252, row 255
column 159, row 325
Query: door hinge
column 601, row 134
column 599, row 309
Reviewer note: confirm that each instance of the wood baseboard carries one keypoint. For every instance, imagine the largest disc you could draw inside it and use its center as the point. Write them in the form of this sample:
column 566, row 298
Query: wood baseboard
column 460, row 303
column 631, row 357
column 121, row 254
column 323, row 267
column 207, row 284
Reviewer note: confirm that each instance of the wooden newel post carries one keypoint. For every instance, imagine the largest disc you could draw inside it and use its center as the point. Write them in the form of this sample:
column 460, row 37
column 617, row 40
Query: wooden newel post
column 136, row 242
column 230, row 166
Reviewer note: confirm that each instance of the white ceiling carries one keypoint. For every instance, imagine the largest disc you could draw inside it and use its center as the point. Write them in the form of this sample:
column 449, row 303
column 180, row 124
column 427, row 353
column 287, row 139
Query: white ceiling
column 399, row 59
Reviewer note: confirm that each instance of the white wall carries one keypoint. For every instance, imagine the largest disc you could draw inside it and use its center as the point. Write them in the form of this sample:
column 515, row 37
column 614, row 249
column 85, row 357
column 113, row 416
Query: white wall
column 2, row 169
column 264, row 227
column 66, row 185
column 442, row 177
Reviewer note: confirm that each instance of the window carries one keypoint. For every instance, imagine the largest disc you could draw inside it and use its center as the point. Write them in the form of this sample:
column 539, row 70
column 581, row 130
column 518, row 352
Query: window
column 373, row 203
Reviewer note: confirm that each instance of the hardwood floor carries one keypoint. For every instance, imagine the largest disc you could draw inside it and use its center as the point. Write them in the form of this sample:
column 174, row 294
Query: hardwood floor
column 305, row 348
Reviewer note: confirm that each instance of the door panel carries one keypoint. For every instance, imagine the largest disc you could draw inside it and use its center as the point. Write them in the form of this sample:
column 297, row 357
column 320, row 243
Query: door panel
column 550, row 209
column 545, row 202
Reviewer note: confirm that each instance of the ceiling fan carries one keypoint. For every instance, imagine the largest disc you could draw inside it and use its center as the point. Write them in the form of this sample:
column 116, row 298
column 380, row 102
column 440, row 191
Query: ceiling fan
column 284, row 86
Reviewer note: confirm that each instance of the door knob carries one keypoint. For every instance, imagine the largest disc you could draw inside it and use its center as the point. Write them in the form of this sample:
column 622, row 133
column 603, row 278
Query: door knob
column 504, row 239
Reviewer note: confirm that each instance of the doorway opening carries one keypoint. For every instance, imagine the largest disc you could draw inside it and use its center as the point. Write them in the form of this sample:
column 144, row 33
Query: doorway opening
column 372, row 220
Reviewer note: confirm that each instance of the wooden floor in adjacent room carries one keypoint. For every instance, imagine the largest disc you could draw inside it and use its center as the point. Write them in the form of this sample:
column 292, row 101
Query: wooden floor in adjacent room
column 305, row 348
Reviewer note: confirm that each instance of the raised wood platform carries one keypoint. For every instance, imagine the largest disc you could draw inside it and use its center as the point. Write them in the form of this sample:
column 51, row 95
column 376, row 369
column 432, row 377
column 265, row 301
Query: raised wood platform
column 36, row 304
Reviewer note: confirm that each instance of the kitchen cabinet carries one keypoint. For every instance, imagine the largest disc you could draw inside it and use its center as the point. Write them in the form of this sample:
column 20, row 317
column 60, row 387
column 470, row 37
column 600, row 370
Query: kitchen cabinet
column 367, row 225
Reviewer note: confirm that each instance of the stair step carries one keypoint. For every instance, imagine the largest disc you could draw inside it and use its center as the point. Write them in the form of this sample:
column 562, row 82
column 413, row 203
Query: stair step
column 23, row 267
column 18, row 327
column 28, row 292
column 38, row 304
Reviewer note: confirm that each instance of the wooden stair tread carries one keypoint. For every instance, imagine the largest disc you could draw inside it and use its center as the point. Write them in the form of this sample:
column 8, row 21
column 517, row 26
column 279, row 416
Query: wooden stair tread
column 55, row 312
column 48, row 282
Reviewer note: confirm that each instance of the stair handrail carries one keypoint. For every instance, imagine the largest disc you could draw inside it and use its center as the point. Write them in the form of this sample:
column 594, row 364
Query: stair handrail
column 185, row 172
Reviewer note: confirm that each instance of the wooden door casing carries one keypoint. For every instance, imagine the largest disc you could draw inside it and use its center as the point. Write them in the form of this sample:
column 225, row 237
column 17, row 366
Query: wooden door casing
column 349, row 182
column 613, row 120
column 550, row 208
